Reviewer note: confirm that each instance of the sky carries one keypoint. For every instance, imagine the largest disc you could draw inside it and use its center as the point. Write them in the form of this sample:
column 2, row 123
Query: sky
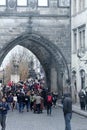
column 2, row 2
column 16, row 50
column 8, row 56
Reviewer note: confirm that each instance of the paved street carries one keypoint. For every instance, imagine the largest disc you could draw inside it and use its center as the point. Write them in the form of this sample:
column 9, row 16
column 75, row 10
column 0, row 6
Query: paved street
column 31, row 121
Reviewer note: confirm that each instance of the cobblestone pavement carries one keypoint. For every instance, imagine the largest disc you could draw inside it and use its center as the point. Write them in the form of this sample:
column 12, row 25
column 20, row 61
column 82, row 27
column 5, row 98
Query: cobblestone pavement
column 31, row 121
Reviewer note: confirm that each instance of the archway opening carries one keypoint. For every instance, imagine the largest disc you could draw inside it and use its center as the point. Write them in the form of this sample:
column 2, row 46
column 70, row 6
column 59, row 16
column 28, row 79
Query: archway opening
column 23, row 63
column 49, row 55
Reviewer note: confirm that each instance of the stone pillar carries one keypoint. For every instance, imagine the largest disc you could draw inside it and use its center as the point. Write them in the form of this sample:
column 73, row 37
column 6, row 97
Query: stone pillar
column 54, row 79
column 48, row 80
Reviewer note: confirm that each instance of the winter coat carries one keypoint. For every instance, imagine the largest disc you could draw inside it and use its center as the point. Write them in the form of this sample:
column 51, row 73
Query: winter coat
column 67, row 105
column 3, row 108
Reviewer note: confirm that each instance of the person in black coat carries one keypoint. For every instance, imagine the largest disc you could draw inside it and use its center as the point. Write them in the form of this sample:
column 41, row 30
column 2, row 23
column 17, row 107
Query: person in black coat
column 4, row 107
column 82, row 97
column 21, row 101
column 86, row 100
column 27, row 101
column 67, row 110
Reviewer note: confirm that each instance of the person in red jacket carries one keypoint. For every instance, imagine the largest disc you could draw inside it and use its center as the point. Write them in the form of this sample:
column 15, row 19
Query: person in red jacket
column 49, row 103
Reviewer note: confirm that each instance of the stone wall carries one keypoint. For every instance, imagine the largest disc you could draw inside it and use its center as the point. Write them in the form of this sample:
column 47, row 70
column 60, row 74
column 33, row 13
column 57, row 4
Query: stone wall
column 52, row 22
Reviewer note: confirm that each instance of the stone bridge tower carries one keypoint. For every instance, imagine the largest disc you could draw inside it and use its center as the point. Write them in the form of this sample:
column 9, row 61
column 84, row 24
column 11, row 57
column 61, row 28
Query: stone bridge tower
column 44, row 30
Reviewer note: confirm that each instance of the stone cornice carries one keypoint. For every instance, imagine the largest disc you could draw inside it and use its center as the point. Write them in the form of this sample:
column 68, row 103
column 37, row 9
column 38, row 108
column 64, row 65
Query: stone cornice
column 30, row 14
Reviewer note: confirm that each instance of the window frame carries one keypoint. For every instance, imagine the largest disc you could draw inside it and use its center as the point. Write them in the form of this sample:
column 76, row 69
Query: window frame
column 74, row 6
column 81, row 31
column 3, row 4
column 21, row 5
column 75, row 40
column 81, row 5
column 43, row 5
column 62, row 6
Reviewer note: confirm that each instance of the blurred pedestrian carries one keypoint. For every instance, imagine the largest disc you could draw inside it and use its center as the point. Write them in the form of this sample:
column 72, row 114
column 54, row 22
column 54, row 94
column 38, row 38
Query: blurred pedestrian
column 31, row 101
column 86, row 100
column 49, row 103
column 55, row 97
column 82, row 97
column 27, row 101
column 38, row 99
column 67, row 110
column 4, row 107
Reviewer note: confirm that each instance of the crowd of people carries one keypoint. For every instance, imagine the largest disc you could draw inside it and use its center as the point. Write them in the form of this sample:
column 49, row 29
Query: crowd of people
column 25, row 96
column 32, row 96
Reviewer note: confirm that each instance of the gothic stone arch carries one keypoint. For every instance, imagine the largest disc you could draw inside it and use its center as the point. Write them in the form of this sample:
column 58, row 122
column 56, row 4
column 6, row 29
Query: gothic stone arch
column 48, row 54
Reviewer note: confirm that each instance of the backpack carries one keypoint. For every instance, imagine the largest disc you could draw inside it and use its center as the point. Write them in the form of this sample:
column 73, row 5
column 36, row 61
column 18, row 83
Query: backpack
column 49, row 98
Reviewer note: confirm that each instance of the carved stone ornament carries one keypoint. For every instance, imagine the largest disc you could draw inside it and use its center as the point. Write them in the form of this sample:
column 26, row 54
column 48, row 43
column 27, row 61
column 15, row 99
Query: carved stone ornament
column 11, row 4
column 33, row 4
column 80, row 53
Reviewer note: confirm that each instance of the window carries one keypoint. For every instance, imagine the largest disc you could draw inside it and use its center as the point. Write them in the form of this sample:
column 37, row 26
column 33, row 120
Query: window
column 82, row 73
column 74, row 6
column 81, row 5
column 74, row 41
column 82, row 38
column 64, row 3
column 2, row 2
column 22, row 2
column 42, row 2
